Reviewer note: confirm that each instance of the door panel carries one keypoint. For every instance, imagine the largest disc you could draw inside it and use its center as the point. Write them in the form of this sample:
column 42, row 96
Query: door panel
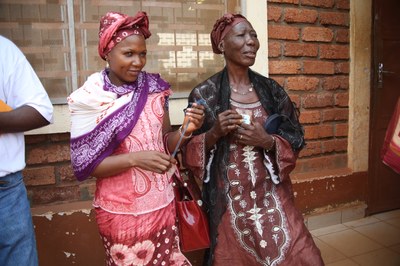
column 384, row 183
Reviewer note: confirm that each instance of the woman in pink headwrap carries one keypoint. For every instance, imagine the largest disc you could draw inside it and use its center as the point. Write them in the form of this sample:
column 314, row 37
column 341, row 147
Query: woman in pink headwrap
column 121, row 134
column 244, row 159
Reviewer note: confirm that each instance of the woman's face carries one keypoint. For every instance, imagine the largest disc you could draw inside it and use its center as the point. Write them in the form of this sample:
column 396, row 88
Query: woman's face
column 127, row 59
column 240, row 45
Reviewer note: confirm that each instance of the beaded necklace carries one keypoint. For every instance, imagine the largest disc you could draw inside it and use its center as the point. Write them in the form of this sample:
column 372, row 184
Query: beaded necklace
column 250, row 89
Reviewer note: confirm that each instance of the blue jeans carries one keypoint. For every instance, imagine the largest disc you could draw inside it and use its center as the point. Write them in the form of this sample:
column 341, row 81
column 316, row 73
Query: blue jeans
column 17, row 236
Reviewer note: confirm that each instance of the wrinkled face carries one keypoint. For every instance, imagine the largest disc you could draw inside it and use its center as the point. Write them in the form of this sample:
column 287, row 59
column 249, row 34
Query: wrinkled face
column 127, row 59
column 240, row 45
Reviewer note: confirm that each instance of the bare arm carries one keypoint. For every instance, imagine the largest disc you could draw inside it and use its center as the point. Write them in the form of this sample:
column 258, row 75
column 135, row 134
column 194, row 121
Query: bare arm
column 21, row 119
column 154, row 161
column 196, row 116
column 147, row 160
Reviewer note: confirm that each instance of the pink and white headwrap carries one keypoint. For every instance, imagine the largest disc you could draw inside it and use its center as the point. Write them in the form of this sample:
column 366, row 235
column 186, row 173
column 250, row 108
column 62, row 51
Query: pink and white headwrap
column 221, row 28
column 115, row 27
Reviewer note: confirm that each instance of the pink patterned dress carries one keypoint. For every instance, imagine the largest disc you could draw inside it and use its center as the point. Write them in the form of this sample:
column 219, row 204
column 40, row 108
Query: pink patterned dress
column 135, row 210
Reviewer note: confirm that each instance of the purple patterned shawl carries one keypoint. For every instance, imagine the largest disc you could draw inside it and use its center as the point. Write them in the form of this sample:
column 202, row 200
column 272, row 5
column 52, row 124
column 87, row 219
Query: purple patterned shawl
column 89, row 149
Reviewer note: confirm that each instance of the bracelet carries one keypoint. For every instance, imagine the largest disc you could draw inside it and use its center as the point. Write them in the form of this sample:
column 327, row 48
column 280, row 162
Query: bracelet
column 183, row 136
column 272, row 145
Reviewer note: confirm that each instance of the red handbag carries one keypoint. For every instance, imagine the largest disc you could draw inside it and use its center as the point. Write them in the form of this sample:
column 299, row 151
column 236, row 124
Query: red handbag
column 192, row 218
column 390, row 152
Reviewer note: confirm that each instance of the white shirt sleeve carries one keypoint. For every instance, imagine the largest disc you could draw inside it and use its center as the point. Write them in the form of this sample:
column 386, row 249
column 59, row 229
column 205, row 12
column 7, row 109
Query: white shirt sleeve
column 20, row 85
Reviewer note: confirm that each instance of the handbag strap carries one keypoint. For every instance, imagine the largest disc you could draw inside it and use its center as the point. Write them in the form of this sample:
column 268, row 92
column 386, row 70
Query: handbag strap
column 190, row 185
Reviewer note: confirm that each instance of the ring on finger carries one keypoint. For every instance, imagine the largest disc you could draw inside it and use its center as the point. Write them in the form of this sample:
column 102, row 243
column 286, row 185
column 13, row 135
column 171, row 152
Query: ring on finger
column 240, row 136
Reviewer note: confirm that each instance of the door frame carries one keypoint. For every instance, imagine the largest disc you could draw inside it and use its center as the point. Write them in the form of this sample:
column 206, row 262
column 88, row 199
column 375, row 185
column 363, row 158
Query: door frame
column 359, row 84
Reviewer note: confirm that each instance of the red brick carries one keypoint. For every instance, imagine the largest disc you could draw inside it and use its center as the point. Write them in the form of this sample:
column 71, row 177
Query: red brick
column 335, row 114
column 274, row 13
column 317, row 100
column 284, row 1
column 342, row 130
column 318, row 3
column 321, row 163
column 284, row 67
column 318, row 131
column 274, row 49
column 318, row 67
column 310, row 117
column 317, row 34
column 328, row 51
column 342, row 68
column 334, row 18
column 51, row 194
column 336, row 83
column 297, row 15
column 60, row 137
column 312, row 148
column 300, row 49
column 302, row 83
column 49, row 154
column 342, row 99
column 65, row 173
column 343, row 4
column 342, row 36
column 36, row 176
column 283, row 32
column 35, row 139
column 295, row 99
column 88, row 189
column 280, row 80
column 334, row 145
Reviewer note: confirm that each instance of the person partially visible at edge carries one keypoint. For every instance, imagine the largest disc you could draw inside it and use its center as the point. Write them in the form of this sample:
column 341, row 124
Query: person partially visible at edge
column 121, row 135
column 22, row 92
column 245, row 170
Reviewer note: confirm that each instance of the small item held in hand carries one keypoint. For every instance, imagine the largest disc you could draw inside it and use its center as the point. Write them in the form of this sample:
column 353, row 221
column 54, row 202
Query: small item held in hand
column 182, row 129
column 192, row 219
column 272, row 124
column 199, row 101
column 246, row 119
column 182, row 135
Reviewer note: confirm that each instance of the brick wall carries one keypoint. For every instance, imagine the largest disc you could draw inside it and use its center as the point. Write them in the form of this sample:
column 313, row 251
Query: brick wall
column 309, row 56
column 48, row 175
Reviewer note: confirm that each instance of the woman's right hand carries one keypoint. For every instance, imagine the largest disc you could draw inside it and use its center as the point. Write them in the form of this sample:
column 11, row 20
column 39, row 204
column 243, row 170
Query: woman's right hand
column 227, row 121
column 153, row 161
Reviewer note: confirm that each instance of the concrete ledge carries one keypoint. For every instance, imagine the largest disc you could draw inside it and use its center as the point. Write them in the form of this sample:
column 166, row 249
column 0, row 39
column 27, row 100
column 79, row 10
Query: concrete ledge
column 70, row 207
column 347, row 213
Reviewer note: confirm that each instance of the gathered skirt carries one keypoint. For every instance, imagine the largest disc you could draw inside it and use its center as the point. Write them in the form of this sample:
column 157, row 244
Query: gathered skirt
column 147, row 239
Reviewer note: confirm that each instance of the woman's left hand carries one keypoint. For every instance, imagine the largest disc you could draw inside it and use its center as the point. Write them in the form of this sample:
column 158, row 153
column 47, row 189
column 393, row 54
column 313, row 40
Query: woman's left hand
column 253, row 135
column 196, row 115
